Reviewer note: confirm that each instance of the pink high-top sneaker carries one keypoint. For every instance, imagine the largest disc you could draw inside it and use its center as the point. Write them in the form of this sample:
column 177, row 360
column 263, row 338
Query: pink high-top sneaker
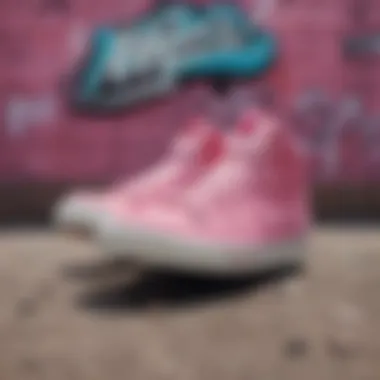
column 190, row 155
column 133, row 207
column 249, row 212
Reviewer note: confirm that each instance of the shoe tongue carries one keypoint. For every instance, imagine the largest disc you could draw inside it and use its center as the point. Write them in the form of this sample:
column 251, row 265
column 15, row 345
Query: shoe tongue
column 211, row 147
column 253, row 132
column 200, row 139
column 191, row 136
column 248, row 123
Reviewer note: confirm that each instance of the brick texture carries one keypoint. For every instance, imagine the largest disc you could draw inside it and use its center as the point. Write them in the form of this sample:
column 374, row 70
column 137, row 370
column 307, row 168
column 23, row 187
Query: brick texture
column 41, row 40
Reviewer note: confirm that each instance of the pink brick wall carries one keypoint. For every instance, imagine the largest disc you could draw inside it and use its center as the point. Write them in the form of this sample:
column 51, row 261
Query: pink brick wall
column 38, row 48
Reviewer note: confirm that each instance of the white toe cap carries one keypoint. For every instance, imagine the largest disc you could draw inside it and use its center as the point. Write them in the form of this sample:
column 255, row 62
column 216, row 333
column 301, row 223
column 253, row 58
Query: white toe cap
column 73, row 211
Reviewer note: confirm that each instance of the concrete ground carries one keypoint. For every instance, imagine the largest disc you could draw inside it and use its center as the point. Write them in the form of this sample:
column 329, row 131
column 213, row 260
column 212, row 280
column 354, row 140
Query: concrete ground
column 62, row 316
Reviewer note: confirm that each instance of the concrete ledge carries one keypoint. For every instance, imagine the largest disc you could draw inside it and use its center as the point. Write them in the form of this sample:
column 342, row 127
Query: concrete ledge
column 32, row 202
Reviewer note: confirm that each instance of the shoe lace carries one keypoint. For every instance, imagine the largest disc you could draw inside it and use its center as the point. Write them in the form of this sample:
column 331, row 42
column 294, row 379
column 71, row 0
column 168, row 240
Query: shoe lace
column 237, row 172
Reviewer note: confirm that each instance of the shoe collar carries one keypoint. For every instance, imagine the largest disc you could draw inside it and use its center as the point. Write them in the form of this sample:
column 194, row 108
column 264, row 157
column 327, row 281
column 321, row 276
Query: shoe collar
column 200, row 141
column 254, row 132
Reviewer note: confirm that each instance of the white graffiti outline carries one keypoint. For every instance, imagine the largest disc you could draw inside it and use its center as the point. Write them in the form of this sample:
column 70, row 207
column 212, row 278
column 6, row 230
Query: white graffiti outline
column 344, row 114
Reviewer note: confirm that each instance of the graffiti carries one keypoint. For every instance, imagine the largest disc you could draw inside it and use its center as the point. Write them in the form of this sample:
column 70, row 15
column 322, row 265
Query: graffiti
column 22, row 113
column 151, row 56
column 363, row 46
column 200, row 45
column 329, row 127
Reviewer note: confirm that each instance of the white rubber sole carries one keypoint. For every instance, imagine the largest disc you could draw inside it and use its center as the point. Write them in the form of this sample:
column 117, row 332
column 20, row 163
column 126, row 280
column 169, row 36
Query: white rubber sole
column 163, row 251
column 74, row 216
